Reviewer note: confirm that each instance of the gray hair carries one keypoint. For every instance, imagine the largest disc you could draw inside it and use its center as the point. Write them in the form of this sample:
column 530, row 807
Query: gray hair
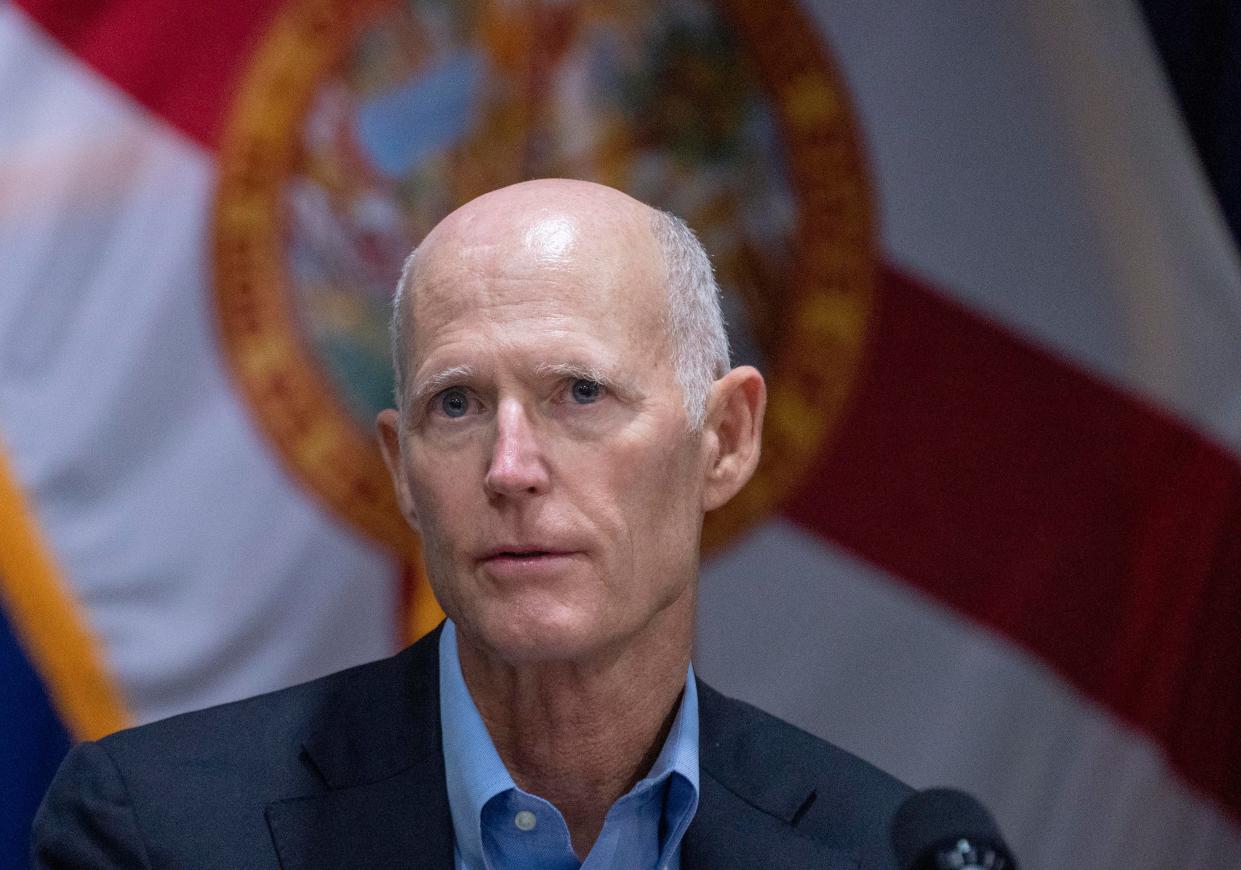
column 694, row 321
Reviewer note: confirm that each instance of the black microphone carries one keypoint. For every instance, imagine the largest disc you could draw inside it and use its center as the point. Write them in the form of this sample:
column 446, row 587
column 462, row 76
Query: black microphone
column 946, row 829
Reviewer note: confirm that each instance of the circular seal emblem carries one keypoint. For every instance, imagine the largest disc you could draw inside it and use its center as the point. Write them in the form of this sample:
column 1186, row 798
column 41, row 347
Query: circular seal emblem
column 360, row 124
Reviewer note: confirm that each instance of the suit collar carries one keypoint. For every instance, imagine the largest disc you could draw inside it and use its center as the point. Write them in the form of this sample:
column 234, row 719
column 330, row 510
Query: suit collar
column 384, row 805
column 378, row 754
column 755, row 798
column 730, row 833
column 732, row 751
column 398, row 822
column 375, row 727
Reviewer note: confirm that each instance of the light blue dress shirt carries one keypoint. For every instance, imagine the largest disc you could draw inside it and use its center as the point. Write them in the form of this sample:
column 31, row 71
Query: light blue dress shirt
column 497, row 826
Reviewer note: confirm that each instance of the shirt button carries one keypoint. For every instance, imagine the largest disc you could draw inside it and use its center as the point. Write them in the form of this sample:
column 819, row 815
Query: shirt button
column 525, row 820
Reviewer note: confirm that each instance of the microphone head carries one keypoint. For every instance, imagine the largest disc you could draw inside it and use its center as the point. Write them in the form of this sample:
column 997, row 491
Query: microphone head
column 946, row 829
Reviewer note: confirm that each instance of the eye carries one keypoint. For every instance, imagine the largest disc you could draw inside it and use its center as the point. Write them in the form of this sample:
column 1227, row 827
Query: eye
column 586, row 391
column 454, row 402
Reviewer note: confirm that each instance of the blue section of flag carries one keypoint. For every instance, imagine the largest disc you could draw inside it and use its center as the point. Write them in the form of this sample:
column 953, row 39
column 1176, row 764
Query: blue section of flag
column 33, row 741
column 429, row 113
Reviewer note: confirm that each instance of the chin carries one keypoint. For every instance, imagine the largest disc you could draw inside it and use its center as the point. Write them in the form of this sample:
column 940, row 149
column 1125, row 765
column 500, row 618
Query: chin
column 544, row 635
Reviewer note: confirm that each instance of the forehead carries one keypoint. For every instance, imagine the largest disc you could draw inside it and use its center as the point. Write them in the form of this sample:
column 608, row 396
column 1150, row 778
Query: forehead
column 547, row 277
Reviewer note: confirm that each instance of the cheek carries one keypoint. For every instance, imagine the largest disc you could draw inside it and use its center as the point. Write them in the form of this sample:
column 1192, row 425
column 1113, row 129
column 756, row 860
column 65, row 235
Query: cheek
column 655, row 494
column 438, row 490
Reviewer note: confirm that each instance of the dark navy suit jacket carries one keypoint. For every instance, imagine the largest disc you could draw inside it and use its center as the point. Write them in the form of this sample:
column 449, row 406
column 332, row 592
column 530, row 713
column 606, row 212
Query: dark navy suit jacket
column 347, row 771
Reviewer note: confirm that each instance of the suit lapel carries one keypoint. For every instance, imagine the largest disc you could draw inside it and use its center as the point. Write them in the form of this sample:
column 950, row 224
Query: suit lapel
column 752, row 792
column 728, row 833
column 384, row 803
column 378, row 753
column 401, row 822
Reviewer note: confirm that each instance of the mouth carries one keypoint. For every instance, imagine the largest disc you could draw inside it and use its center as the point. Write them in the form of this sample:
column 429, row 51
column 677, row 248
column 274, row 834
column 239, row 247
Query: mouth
column 523, row 554
column 527, row 562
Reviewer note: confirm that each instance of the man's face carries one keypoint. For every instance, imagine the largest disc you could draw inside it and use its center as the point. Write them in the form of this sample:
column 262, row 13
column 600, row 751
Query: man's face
column 545, row 450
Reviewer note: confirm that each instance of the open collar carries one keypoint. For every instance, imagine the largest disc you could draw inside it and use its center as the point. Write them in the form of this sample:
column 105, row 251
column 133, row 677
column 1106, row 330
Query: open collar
column 384, row 803
column 475, row 773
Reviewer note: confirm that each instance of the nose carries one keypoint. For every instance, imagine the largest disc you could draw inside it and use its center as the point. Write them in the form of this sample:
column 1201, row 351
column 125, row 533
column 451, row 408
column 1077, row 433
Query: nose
column 516, row 465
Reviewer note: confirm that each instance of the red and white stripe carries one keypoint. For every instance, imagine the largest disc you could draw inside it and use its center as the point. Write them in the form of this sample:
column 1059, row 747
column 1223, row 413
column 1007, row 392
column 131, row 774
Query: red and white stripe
column 1018, row 568
column 206, row 573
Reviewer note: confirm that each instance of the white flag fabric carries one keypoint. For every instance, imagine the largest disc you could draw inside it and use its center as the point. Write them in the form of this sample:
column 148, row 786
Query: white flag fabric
column 1032, row 173
column 205, row 573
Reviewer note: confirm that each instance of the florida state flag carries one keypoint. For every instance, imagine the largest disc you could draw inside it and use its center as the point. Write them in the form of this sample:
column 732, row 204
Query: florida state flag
column 995, row 541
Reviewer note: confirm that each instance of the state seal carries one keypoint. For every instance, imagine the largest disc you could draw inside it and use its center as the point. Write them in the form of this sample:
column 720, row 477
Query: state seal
column 360, row 124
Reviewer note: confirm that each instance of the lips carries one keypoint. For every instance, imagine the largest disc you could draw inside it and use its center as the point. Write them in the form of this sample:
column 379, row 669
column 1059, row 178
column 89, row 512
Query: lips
column 524, row 552
column 527, row 561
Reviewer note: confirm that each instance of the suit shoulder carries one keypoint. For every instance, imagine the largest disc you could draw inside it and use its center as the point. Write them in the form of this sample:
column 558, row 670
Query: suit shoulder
column 193, row 790
column 168, row 788
column 845, row 798
column 254, row 733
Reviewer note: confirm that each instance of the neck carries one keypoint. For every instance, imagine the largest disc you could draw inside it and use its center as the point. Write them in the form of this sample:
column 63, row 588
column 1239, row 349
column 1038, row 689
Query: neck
column 580, row 734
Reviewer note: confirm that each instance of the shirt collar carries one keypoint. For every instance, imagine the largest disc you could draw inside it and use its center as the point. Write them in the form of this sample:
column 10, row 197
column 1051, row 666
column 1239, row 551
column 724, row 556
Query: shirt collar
column 474, row 772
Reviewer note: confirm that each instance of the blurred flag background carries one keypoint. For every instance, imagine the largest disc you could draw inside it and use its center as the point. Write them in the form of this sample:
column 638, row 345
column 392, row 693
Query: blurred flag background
column 985, row 253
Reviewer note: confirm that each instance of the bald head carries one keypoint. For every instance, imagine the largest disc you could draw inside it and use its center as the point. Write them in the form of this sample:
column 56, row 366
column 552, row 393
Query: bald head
column 556, row 226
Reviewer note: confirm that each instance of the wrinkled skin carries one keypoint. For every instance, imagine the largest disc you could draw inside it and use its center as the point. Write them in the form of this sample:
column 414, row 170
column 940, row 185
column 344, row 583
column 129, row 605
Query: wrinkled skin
column 539, row 312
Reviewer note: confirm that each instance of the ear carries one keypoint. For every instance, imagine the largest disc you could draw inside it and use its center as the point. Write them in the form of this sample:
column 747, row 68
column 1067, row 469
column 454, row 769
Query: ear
column 388, row 428
column 733, row 433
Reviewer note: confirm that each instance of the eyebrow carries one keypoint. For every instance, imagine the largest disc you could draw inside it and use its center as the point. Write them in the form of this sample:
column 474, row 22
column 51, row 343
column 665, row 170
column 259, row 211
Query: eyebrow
column 587, row 372
column 574, row 370
column 424, row 388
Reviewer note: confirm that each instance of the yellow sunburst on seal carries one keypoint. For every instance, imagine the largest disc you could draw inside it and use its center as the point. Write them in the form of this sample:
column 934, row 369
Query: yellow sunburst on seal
column 360, row 125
